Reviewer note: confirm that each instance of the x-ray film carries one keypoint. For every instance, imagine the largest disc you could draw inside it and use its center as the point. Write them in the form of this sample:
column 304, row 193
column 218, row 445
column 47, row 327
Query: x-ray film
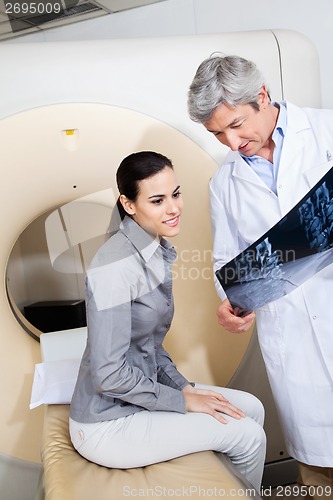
column 291, row 252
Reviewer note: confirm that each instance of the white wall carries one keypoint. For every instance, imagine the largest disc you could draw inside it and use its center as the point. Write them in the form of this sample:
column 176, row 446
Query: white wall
column 188, row 17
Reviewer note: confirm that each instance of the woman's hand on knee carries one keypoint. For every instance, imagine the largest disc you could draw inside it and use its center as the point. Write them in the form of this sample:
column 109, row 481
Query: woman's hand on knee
column 210, row 402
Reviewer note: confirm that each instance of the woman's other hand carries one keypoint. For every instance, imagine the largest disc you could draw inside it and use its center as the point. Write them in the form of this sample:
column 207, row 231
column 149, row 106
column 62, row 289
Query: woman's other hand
column 211, row 402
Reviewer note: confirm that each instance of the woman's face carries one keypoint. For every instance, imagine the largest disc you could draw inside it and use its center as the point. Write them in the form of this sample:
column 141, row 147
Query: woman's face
column 159, row 204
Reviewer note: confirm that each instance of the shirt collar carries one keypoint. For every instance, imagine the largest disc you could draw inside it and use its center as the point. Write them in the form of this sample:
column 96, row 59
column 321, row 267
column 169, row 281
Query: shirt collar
column 144, row 242
column 281, row 124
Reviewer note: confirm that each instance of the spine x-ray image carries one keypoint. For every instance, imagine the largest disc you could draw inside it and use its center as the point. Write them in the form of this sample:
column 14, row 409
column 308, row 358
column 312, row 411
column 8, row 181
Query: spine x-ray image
column 292, row 251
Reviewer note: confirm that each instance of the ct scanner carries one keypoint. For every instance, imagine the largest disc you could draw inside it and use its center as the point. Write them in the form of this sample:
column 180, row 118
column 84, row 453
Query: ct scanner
column 70, row 112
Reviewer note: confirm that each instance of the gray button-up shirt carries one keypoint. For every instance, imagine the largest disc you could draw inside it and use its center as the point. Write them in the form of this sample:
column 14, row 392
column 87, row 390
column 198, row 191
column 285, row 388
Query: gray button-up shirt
column 129, row 301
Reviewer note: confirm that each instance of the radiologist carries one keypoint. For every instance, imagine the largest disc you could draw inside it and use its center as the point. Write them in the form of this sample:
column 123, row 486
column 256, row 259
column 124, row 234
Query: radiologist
column 131, row 406
column 278, row 151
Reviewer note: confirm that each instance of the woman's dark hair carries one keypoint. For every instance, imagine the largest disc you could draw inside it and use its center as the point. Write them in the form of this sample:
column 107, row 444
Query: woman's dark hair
column 135, row 168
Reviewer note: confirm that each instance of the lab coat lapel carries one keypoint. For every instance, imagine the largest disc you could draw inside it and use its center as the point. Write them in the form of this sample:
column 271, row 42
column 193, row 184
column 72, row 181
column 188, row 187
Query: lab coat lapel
column 243, row 172
column 293, row 182
column 293, row 144
column 292, row 156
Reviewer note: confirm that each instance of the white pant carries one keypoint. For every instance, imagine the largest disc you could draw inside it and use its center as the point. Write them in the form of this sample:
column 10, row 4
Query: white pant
column 147, row 437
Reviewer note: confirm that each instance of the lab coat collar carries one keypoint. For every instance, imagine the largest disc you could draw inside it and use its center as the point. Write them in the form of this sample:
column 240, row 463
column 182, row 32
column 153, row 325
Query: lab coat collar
column 295, row 144
column 243, row 171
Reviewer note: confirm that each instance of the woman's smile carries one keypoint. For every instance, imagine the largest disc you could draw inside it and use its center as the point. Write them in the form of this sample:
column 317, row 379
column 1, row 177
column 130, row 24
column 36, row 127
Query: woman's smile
column 172, row 222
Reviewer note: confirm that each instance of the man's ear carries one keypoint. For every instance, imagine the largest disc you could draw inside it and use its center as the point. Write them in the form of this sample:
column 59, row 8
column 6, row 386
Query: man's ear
column 263, row 97
column 127, row 204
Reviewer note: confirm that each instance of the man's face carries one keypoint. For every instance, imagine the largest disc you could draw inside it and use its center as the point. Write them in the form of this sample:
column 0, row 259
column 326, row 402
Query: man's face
column 243, row 128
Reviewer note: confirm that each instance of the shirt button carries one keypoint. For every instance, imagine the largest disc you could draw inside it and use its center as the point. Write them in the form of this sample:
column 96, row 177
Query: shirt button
column 314, row 317
column 168, row 303
column 280, row 186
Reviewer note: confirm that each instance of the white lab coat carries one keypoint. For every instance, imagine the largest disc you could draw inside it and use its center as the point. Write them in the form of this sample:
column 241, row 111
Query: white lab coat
column 296, row 331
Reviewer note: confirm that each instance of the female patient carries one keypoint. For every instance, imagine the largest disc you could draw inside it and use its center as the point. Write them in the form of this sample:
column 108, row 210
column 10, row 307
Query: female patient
column 131, row 406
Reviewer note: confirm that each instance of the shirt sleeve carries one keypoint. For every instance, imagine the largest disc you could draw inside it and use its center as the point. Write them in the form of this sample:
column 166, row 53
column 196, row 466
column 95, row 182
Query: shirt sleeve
column 109, row 341
column 167, row 373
